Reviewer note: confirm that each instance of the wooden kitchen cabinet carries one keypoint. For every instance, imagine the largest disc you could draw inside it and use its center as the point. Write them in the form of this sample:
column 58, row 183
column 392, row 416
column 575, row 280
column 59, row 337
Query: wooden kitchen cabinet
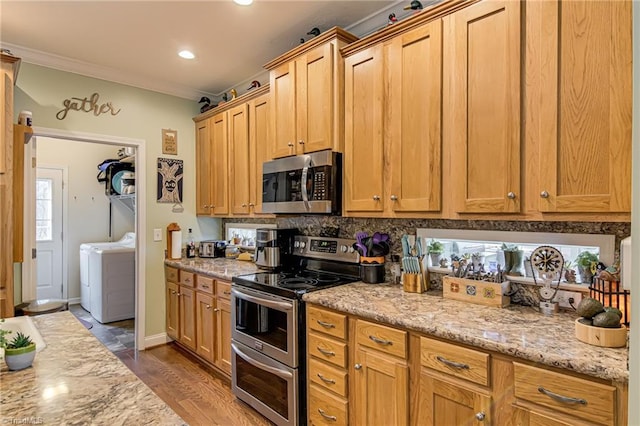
column 259, row 142
column 203, row 168
column 239, row 159
column 393, row 132
column 172, row 305
column 581, row 100
column 219, row 164
column 187, row 310
column 307, row 96
column 223, row 327
column 484, row 92
column 205, row 326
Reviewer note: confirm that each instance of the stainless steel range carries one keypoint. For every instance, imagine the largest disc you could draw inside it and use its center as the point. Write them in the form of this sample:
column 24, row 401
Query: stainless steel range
column 268, row 335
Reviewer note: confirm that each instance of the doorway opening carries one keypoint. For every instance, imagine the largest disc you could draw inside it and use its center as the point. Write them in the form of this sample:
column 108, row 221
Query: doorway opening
column 79, row 212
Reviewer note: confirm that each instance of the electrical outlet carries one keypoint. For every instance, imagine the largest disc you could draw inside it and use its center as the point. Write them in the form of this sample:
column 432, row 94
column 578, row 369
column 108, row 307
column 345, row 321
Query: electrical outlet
column 563, row 297
column 157, row 234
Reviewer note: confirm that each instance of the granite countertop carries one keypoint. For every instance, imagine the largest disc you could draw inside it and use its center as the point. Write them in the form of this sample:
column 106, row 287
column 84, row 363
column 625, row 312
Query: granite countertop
column 77, row 380
column 218, row 267
column 518, row 331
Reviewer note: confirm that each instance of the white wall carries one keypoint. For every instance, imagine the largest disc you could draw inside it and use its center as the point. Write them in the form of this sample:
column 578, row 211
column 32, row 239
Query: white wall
column 87, row 205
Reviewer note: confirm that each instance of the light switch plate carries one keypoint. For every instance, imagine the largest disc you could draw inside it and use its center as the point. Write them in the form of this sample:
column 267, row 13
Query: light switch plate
column 157, row 234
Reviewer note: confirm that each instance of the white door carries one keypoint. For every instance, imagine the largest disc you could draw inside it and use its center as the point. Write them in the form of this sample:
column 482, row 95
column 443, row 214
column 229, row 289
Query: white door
column 49, row 233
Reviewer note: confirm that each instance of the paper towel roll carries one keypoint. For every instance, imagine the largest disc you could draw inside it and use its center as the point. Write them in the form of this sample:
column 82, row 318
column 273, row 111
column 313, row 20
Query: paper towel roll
column 176, row 244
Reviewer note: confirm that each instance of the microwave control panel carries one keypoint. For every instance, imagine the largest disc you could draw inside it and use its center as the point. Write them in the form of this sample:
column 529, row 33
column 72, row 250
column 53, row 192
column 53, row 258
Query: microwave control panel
column 320, row 185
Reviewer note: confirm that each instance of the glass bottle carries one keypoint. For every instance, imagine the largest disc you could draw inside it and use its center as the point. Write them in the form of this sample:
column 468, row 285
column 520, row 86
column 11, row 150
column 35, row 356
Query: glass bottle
column 191, row 245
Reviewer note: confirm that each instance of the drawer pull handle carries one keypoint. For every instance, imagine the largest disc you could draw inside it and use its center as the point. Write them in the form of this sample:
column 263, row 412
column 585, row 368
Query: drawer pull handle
column 453, row 364
column 326, row 352
column 174, row 292
column 325, row 324
column 381, row 341
column 326, row 416
column 205, row 286
column 560, row 398
column 324, row 379
column 226, row 292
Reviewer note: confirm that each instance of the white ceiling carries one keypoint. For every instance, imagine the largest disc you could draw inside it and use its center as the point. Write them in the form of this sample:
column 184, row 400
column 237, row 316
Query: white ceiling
column 136, row 42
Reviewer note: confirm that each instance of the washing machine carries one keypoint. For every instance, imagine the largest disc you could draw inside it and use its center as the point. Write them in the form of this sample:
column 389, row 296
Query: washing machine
column 107, row 279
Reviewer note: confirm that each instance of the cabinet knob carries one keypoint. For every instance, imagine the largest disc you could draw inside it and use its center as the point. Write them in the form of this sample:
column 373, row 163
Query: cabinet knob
column 357, row 366
column 251, row 205
column 301, row 142
column 208, row 306
column 376, row 198
column 216, row 309
column 511, row 195
column 290, row 144
column 394, row 198
column 544, row 194
column 206, row 206
column 174, row 292
column 480, row 416
column 244, row 204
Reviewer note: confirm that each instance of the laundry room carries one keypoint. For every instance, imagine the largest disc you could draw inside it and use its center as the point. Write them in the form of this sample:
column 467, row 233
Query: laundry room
column 97, row 222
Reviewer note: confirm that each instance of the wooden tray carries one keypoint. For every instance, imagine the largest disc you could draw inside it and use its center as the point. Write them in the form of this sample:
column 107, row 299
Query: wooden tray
column 601, row 336
column 478, row 292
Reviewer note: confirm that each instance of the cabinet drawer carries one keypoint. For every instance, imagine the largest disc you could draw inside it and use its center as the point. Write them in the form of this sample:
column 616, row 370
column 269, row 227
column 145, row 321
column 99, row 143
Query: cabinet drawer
column 223, row 290
column 582, row 398
column 187, row 278
column 328, row 377
column 204, row 284
column 326, row 409
column 457, row 361
column 328, row 349
column 327, row 322
column 171, row 274
column 385, row 339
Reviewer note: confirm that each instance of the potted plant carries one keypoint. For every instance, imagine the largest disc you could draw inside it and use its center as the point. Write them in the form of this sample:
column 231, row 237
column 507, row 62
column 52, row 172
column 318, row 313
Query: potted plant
column 435, row 249
column 19, row 352
column 585, row 262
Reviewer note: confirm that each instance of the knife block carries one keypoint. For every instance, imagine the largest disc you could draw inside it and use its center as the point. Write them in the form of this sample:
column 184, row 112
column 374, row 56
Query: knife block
column 413, row 283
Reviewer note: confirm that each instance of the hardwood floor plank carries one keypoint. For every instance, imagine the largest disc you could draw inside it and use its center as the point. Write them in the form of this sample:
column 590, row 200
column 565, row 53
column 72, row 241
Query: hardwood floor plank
column 197, row 393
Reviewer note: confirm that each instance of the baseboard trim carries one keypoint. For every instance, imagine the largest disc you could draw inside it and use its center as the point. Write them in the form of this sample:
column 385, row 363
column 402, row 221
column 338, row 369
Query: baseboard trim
column 74, row 301
column 156, row 340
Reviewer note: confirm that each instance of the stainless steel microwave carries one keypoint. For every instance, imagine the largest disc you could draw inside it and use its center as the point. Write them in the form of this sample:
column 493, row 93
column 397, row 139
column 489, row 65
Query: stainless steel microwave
column 309, row 183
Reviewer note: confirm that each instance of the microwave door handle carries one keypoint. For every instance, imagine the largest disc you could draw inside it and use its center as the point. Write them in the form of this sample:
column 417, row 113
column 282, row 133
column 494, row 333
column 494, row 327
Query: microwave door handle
column 305, row 171
column 260, row 301
column 284, row 374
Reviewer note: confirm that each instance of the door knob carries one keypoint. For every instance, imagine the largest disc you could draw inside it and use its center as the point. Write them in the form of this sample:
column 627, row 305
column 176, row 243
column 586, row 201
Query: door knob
column 511, row 195
column 544, row 194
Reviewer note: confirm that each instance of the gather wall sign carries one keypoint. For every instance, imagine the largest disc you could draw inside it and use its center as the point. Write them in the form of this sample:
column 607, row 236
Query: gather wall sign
column 88, row 104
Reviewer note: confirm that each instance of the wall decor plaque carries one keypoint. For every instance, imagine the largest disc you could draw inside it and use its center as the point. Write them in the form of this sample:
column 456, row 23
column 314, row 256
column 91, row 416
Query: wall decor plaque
column 89, row 104
column 170, row 172
column 169, row 141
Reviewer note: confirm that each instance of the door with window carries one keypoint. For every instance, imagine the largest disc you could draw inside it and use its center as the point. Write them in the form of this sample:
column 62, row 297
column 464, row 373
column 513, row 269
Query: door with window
column 49, row 233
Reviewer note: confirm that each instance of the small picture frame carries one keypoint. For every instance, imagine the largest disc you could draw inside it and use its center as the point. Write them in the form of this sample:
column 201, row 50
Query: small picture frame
column 170, row 141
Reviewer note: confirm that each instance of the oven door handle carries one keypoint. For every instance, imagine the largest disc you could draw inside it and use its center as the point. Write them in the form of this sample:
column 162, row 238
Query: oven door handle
column 283, row 374
column 260, row 301
column 305, row 171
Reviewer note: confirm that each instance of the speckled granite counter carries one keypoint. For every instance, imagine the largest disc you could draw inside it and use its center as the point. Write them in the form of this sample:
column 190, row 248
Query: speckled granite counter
column 218, row 267
column 76, row 380
column 517, row 331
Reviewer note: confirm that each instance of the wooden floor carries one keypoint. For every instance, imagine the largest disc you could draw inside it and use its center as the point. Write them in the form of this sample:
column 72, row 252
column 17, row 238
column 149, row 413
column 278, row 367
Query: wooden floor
column 195, row 392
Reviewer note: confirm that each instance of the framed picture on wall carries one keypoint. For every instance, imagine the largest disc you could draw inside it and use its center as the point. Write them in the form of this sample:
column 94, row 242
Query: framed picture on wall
column 170, row 172
column 169, row 141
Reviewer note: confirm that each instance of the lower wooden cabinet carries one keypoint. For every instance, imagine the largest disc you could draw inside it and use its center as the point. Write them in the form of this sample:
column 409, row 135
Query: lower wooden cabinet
column 199, row 316
column 365, row 373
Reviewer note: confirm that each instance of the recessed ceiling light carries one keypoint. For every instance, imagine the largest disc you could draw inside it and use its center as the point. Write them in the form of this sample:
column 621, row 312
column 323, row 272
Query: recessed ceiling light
column 243, row 2
column 186, row 54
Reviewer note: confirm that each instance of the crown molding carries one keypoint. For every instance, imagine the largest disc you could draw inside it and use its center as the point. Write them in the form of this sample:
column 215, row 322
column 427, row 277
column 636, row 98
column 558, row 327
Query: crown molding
column 62, row 63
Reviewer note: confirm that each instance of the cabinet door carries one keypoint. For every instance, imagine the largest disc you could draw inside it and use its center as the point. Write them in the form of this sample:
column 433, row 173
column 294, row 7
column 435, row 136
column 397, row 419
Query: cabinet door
column 443, row 403
column 205, row 326
column 187, row 317
column 173, row 306
column 239, row 159
column 585, row 106
column 283, row 112
column 259, row 142
column 314, row 95
column 203, row 169
column 220, row 164
column 381, row 389
column 414, row 63
column 364, row 165
column 224, row 336
column 485, row 94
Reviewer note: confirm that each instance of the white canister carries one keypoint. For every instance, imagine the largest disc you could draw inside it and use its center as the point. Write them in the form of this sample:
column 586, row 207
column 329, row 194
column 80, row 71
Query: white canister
column 25, row 118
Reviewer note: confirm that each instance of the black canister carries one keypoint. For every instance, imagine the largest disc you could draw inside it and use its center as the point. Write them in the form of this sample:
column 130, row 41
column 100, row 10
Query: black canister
column 372, row 273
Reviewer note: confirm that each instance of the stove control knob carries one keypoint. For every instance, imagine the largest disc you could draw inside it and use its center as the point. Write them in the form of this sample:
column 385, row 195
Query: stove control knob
column 296, row 244
column 344, row 248
column 303, row 244
column 351, row 250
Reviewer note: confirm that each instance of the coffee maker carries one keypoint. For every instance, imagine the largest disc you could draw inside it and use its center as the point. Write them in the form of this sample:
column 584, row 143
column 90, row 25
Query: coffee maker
column 274, row 247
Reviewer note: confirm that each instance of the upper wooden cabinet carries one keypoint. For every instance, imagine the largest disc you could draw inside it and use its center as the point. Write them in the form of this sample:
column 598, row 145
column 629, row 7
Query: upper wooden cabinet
column 259, row 138
column 307, row 96
column 203, row 167
column 581, row 93
column 485, row 88
column 239, row 159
